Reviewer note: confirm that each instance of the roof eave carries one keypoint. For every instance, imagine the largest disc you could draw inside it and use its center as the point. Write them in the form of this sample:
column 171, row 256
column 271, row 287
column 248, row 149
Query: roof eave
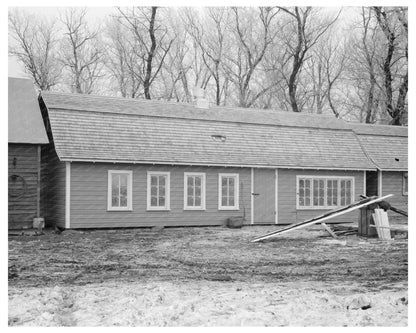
column 88, row 160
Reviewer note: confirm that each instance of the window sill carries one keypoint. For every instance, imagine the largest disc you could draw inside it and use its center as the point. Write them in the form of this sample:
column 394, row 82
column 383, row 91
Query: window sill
column 228, row 208
column 319, row 208
column 194, row 209
column 119, row 210
column 158, row 209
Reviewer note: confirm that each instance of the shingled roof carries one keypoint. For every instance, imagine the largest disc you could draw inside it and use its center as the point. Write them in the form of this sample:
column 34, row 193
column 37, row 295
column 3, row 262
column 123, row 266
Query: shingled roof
column 386, row 146
column 25, row 120
column 92, row 128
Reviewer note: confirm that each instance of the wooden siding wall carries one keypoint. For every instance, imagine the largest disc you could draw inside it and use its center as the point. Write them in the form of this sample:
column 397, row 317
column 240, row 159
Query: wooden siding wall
column 287, row 195
column 393, row 184
column 89, row 197
column 53, row 187
column 23, row 209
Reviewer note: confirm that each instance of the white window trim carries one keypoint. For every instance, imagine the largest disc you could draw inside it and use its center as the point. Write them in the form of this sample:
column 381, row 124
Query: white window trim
column 403, row 182
column 298, row 207
column 129, row 207
column 185, row 190
column 167, row 190
column 236, row 191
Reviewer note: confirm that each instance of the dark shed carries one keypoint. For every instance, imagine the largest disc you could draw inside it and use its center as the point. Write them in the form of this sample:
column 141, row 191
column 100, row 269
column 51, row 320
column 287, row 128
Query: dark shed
column 26, row 134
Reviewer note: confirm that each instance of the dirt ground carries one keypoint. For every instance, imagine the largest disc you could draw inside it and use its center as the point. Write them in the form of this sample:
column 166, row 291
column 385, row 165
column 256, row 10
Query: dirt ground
column 207, row 276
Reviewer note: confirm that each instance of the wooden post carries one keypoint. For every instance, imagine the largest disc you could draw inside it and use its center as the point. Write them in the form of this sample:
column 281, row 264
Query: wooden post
column 365, row 221
column 38, row 185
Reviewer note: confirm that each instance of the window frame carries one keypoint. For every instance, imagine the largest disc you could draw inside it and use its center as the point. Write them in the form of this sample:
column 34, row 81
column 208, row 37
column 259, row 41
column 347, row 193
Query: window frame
column 405, row 175
column 185, row 190
column 236, row 191
column 129, row 207
column 167, row 191
column 326, row 178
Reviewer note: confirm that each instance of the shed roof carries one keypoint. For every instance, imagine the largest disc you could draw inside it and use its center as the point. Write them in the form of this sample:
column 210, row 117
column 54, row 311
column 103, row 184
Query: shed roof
column 25, row 119
column 91, row 128
column 386, row 146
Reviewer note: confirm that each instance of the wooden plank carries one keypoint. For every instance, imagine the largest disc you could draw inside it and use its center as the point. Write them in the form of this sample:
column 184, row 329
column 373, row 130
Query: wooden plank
column 328, row 229
column 382, row 224
column 324, row 217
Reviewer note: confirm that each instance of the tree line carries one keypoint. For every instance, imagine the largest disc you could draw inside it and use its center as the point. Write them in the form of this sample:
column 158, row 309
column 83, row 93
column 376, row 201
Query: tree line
column 300, row 59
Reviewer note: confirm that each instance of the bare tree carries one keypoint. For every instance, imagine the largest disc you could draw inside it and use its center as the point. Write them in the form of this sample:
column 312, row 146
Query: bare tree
column 35, row 46
column 209, row 34
column 387, row 21
column 151, row 45
column 121, row 60
column 253, row 35
column 81, row 53
column 308, row 32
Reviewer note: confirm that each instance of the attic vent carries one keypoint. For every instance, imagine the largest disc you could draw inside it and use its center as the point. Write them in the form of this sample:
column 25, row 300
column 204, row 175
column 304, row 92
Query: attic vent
column 218, row 137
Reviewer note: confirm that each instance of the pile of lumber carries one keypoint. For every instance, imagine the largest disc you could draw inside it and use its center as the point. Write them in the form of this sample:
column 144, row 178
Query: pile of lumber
column 339, row 230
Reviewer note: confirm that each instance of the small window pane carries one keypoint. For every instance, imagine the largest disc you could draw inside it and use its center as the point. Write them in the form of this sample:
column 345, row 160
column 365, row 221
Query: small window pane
column 224, row 182
column 114, row 201
column 153, row 191
column 123, row 180
column 162, row 191
column 231, row 190
column 231, row 201
column 161, row 201
column 123, row 190
column 190, row 181
column 123, row 201
column 198, row 191
column 153, row 201
column 198, row 181
column 162, row 180
column 224, row 201
column 153, row 180
column 190, row 201
column 197, row 201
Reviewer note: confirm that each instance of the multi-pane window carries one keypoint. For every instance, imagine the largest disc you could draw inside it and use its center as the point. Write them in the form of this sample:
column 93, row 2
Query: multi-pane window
column 228, row 191
column 405, row 183
column 119, row 190
column 324, row 192
column 194, row 191
column 158, row 197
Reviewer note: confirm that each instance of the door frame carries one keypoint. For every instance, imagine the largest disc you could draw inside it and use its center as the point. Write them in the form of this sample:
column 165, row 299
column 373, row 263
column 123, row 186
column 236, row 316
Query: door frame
column 276, row 197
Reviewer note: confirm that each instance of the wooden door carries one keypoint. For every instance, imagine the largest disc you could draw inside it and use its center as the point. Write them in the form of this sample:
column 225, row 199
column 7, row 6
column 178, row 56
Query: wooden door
column 264, row 196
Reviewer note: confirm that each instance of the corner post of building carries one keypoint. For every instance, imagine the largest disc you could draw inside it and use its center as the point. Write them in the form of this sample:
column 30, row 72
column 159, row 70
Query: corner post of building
column 276, row 196
column 38, row 184
column 364, row 182
column 252, row 196
column 67, row 194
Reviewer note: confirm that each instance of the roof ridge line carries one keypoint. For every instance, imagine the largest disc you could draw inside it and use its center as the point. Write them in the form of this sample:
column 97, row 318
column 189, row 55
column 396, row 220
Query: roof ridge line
column 202, row 119
column 212, row 107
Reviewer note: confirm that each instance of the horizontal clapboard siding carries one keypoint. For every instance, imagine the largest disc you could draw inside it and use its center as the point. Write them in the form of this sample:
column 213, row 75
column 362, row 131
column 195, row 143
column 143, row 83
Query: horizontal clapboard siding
column 393, row 184
column 287, row 195
column 52, row 188
column 23, row 209
column 89, row 197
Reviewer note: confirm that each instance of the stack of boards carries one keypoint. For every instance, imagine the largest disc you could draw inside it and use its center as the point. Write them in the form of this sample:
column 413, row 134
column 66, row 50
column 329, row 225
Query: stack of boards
column 381, row 221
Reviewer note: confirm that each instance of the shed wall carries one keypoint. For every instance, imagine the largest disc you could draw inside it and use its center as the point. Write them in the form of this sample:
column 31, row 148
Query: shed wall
column 287, row 195
column 393, row 184
column 53, row 187
column 22, row 209
column 89, row 197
